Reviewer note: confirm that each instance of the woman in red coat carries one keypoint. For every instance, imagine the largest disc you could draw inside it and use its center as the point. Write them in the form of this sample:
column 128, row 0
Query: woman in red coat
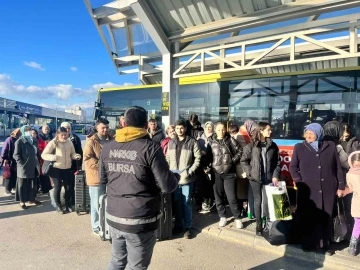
column 170, row 134
column 44, row 180
column 315, row 168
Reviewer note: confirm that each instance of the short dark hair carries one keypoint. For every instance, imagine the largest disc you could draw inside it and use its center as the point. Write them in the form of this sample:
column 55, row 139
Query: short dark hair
column 152, row 121
column 180, row 123
column 102, row 121
column 122, row 115
column 136, row 116
column 233, row 129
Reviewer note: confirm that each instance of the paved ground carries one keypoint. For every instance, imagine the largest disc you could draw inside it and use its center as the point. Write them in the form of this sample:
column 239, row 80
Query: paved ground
column 38, row 238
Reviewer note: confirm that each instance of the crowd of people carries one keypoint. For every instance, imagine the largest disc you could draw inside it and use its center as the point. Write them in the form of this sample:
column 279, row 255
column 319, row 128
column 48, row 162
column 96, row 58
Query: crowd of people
column 25, row 150
column 213, row 165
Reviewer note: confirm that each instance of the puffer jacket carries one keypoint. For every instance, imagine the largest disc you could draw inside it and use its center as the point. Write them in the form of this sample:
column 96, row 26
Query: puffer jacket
column 251, row 161
column 92, row 153
column 223, row 155
column 63, row 156
column 189, row 161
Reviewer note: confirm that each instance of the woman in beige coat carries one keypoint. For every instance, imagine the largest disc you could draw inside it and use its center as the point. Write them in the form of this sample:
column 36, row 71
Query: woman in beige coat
column 61, row 151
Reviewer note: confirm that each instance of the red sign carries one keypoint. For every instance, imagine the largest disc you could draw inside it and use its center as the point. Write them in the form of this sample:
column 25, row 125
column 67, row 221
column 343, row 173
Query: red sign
column 285, row 155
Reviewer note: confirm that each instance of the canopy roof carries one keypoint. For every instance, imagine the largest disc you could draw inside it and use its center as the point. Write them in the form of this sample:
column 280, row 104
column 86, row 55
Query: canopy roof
column 136, row 33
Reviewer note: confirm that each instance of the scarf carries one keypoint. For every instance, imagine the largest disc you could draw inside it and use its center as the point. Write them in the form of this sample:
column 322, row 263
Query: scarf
column 318, row 130
column 206, row 133
column 27, row 138
column 250, row 126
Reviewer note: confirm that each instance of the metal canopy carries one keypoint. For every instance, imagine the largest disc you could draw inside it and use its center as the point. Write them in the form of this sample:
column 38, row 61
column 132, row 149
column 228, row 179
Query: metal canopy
column 138, row 32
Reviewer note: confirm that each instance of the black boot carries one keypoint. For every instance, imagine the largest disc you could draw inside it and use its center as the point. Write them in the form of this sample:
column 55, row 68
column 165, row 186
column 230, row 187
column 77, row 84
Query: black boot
column 259, row 228
column 60, row 210
column 353, row 246
column 69, row 209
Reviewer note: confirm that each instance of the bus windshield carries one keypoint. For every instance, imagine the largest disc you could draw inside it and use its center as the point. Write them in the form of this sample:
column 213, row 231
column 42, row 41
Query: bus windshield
column 287, row 103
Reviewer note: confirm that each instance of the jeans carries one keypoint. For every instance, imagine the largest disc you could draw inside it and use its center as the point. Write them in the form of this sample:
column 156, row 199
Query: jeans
column 183, row 205
column 260, row 200
column 61, row 177
column 225, row 185
column 131, row 250
column 95, row 193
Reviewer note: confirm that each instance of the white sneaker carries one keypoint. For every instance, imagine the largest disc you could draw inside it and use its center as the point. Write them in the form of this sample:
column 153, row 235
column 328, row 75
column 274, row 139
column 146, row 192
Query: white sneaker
column 222, row 222
column 239, row 224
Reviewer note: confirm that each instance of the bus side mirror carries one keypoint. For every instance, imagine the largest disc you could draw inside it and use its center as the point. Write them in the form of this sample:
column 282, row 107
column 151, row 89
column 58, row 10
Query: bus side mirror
column 97, row 114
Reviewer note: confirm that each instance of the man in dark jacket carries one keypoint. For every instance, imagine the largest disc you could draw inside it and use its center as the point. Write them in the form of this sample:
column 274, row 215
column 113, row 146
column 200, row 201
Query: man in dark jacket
column 76, row 164
column 193, row 126
column 45, row 133
column 183, row 154
column 135, row 171
column 155, row 133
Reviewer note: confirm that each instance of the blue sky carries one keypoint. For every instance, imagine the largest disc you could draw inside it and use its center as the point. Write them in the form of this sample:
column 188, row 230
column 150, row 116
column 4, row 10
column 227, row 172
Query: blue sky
column 40, row 42
column 51, row 53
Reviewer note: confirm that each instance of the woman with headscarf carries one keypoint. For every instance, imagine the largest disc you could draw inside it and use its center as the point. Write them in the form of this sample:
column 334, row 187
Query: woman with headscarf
column 246, row 131
column 25, row 155
column 206, row 177
column 315, row 168
column 8, row 159
column 332, row 133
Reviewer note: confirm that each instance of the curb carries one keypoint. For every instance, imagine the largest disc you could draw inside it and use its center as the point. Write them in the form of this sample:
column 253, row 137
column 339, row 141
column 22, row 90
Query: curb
column 247, row 238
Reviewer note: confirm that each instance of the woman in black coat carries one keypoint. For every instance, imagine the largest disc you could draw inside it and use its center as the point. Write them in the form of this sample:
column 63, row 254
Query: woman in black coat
column 261, row 163
column 315, row 168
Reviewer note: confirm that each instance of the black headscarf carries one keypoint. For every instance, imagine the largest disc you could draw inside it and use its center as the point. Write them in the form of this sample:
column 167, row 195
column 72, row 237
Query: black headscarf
column 332, row 131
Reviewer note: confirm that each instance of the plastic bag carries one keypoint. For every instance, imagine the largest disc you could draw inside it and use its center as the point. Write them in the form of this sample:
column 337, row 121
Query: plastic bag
column 278, row 202
column 339, row 223
column 6, row 173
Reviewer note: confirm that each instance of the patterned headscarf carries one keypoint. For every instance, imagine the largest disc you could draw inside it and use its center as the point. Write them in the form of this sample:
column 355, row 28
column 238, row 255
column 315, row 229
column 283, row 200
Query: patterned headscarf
column 250, row 126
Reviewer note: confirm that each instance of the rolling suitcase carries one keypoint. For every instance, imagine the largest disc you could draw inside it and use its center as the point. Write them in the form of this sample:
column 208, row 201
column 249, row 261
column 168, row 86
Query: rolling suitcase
column 104, row 231
column 82, row 196
column 165, row 225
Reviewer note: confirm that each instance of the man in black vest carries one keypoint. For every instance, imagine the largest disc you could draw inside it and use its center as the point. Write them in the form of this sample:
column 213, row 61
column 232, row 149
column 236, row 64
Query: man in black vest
column 135, row 171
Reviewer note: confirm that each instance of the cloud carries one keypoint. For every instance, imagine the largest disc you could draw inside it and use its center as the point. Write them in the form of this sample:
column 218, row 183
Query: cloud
column 61, row 96
column 34, row 65
column 74, row 69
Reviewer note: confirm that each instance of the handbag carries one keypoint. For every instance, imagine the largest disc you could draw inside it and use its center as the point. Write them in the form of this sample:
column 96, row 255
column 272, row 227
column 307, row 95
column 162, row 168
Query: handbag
column 340, row 227
column 279, row 232
column 6, row 173
column 47, row 166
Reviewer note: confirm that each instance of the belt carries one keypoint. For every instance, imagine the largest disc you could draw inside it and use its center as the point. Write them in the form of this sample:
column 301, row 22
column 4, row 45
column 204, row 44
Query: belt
column 132, row 221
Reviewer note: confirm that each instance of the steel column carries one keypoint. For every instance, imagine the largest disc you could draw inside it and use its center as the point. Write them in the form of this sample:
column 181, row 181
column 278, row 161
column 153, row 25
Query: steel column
column 170, row 86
